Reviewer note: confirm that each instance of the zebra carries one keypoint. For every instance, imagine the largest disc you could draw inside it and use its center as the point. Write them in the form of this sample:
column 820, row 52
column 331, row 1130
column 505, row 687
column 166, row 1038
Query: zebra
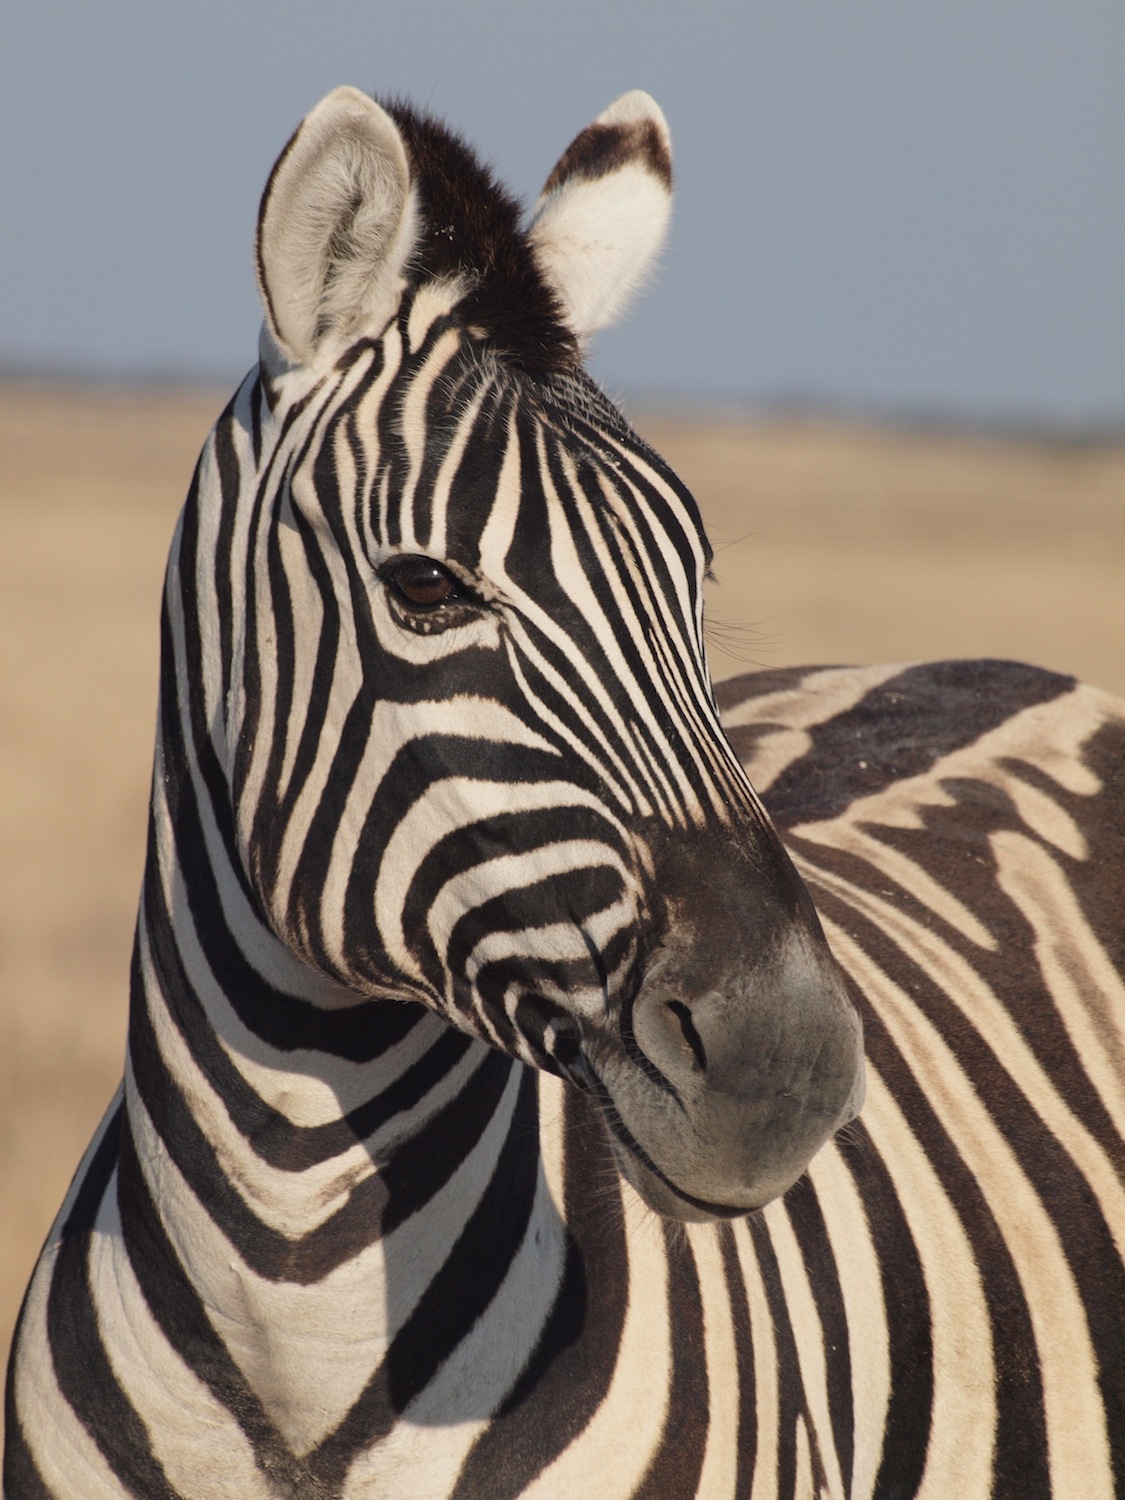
column 491, row 1115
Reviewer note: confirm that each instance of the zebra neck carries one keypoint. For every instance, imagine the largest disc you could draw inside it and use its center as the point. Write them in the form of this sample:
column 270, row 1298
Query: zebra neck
column 338, row 1216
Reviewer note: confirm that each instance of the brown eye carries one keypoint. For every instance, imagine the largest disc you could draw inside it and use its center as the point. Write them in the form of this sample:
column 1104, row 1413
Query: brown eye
column 421, row 582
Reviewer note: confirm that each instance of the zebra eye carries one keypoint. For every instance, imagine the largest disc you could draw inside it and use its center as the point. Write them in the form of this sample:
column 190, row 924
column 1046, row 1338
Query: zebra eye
column 420, row 582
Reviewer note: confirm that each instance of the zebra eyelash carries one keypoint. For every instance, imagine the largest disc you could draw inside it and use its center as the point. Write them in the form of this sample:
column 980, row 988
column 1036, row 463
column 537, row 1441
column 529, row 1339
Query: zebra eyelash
column 409, row 575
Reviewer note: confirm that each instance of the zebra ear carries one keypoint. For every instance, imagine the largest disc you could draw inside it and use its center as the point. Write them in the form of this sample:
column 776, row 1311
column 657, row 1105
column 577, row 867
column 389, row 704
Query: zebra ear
column 602, row 216
column 336, row 226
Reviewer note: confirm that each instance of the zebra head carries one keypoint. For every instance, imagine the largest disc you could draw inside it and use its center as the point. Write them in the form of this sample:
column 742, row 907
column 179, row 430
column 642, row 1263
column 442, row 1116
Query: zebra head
column 472, row 747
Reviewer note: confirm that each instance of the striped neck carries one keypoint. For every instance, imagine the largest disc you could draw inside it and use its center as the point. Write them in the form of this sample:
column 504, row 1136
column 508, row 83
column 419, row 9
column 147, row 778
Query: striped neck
column 337, row 1190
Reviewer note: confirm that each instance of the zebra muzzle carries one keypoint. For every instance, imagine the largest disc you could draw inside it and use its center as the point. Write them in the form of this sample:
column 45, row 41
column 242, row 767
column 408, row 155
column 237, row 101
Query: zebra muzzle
column 742, row 1055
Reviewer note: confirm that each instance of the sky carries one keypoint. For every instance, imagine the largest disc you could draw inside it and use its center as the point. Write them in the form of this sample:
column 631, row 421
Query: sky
column 896, row 207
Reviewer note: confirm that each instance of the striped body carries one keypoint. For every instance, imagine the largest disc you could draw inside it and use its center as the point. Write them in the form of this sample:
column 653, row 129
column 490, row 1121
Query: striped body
column 961, row 827
column 475, row 1004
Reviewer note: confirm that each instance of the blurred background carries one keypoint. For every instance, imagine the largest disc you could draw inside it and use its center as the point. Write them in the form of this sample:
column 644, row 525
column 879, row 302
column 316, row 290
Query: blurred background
column 886, row 348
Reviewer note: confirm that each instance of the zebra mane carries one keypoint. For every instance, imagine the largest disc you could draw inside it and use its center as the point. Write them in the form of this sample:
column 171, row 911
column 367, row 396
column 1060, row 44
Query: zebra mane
column 471, row 229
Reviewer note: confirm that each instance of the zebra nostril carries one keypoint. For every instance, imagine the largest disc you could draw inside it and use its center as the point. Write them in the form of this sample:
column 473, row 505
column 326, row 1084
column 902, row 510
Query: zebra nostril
column 691, row 1038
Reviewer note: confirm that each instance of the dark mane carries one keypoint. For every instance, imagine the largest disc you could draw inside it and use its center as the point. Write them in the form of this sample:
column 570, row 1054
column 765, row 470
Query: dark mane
column 472, row 228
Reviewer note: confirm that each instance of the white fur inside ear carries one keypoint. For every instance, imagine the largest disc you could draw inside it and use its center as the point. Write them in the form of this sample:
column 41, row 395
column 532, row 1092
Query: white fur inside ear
column 602, row 218
column 336, row 227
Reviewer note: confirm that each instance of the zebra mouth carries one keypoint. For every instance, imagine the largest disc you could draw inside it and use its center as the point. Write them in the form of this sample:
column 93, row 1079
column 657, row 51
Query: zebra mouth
column 659, row 1191
column 700, row 1148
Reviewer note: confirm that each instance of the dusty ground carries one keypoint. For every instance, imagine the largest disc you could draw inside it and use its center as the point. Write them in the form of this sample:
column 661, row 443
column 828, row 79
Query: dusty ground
column 835, row 544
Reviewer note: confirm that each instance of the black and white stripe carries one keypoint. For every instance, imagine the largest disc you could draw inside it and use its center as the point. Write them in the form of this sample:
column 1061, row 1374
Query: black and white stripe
column 962, row 829
column 464, row 944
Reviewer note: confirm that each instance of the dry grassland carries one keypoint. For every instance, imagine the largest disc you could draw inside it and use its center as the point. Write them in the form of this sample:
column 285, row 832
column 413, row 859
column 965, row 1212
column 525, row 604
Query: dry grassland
column 834, row 543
